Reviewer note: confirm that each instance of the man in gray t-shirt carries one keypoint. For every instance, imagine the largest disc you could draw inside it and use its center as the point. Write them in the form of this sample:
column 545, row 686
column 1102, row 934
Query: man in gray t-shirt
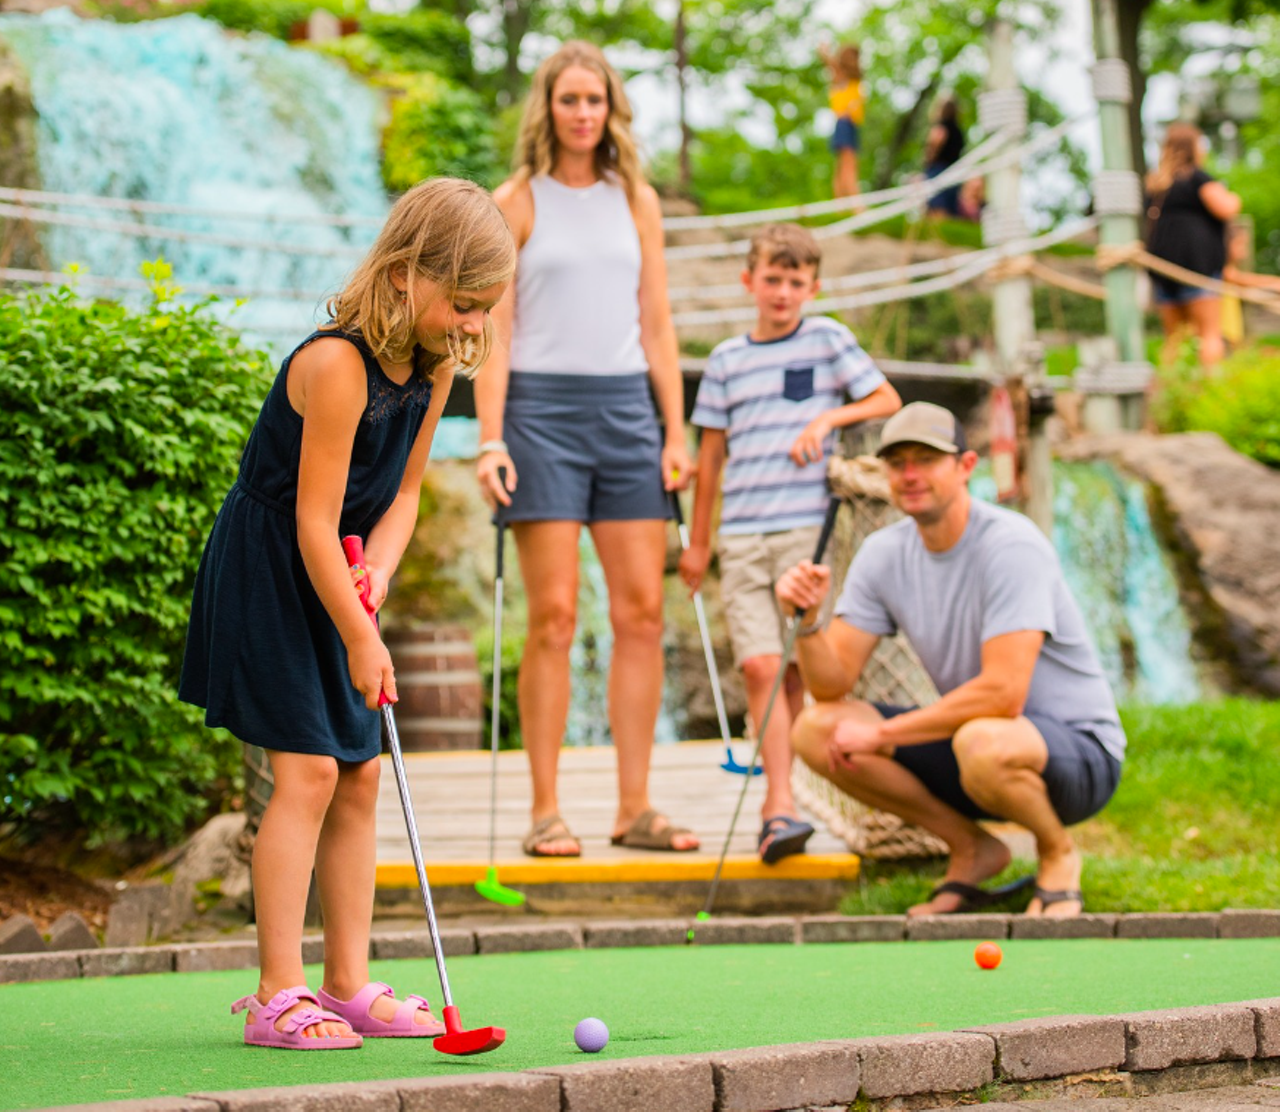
column 1026, row 728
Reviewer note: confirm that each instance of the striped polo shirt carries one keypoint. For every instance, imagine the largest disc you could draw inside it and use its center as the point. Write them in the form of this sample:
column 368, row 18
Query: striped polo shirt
column 763, row 394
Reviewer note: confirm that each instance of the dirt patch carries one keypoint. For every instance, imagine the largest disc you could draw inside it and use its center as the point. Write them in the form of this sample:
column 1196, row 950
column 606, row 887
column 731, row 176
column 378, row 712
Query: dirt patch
column 43, row 892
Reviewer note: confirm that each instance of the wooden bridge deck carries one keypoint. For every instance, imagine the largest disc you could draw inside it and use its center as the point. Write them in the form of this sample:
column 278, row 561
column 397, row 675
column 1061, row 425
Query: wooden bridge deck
column 451, row 803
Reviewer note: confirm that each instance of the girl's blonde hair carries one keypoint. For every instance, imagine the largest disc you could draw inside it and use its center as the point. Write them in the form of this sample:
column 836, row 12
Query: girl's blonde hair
column 1178, row 157
column 616, row 154
column 448, row 231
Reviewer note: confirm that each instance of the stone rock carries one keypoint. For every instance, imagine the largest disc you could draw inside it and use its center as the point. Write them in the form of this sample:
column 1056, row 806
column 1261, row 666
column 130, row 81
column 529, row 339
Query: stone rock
column 209, row 855
column 20, row 935
column 19, row 168
column 70, row 932
column 136, row 914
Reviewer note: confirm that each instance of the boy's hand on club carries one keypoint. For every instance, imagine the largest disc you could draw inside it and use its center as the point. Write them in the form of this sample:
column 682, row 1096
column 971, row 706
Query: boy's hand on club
column 693, row 565
column 808, row 446
column 804, row 586
column 677, row 467
column 371, row 670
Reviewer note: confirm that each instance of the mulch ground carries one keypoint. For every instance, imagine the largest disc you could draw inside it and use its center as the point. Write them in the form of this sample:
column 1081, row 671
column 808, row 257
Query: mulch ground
column 43, row 892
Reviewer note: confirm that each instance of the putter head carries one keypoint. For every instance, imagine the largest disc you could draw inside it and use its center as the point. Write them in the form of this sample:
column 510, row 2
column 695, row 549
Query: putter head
column 457, row 1041
column 730, row 764
column 498, row 893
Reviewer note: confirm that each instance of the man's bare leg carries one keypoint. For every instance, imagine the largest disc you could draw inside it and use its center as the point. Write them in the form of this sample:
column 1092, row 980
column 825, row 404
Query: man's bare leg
column 881, row 782
column 1002, row 761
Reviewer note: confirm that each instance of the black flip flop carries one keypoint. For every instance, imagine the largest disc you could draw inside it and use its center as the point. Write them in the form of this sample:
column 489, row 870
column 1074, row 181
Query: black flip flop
column 973, row 898
column 1050, row 896
column 784, row 836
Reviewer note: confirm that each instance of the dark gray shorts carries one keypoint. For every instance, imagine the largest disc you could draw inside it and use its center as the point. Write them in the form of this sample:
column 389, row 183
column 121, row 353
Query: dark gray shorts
column 1080, row 776
column 586, row 448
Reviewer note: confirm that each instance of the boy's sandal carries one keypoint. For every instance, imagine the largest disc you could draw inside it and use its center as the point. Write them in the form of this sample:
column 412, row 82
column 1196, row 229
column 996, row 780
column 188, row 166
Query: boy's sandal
column 261, row 1028
column 641, row 834
column 781, row 836
column 551, row 829
column 973, row 898
column 358, row 1014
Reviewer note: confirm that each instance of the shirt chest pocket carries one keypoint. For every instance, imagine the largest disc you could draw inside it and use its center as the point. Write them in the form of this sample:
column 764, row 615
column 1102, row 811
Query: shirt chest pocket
column 797, row 384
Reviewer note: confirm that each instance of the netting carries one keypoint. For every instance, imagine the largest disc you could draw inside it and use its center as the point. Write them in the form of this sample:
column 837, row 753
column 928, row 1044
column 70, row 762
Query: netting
column 892, row 675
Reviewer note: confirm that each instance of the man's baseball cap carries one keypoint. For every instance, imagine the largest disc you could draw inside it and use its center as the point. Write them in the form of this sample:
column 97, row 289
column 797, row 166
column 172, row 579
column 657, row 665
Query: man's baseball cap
column 923, row 423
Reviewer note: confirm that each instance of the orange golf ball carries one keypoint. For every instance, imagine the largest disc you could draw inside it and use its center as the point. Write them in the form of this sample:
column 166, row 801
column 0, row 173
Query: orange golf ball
column 987, row 955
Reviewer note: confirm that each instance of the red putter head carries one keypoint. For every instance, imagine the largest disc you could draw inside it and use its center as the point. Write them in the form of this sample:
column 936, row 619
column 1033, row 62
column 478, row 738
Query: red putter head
column 457, row 1041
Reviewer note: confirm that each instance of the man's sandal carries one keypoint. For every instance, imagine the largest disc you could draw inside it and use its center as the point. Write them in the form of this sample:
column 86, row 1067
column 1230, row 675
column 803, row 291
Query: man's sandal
column 642, row 835
column 973, row 898
column 1050, row 896
column 781, row 836
column 357, row 1013
column 261, row 1028
column 551, row 829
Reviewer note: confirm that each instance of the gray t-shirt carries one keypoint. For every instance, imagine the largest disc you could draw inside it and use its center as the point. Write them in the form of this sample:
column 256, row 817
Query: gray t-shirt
column 1002, row 576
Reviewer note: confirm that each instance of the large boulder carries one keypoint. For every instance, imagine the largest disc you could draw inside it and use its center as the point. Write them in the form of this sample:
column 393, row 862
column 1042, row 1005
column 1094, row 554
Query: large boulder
column 19, row 244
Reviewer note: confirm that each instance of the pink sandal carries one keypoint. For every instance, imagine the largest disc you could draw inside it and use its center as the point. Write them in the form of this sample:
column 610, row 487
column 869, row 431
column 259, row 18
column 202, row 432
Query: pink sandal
column 358, row 1014
column 261, row 1030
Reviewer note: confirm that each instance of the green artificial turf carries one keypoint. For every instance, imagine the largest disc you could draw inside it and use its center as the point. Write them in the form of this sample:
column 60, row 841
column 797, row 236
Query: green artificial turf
column 71, row 1042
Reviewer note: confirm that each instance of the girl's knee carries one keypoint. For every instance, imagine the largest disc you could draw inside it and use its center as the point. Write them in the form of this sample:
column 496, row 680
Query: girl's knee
column 308, row 782
column 358, row 783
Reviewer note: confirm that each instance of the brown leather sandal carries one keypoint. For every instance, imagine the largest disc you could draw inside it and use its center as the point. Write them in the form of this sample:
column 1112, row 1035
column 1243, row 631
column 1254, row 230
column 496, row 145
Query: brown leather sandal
column 551, row 829
column 641, row 835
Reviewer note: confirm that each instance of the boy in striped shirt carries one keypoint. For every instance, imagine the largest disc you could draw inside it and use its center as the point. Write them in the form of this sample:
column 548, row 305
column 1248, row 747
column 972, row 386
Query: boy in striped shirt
column 768, row 405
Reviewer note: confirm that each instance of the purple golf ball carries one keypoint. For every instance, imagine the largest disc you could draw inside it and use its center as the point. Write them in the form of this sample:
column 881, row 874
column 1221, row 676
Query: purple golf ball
column 591, row 1035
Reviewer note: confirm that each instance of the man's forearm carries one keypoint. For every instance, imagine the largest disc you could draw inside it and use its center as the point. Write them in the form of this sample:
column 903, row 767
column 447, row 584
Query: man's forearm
column 979, row 698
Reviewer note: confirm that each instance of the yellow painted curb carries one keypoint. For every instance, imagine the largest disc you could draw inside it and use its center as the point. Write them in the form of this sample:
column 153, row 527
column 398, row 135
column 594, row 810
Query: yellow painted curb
column 642, row 870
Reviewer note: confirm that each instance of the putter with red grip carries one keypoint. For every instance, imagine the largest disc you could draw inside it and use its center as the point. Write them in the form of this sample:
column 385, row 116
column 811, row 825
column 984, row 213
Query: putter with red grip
column 455, row 1040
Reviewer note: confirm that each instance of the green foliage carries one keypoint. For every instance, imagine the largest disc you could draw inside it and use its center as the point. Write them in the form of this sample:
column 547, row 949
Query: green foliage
column 119, row 433
column 272, row 17
column 1186, row 831
column 437, row 128
column 1240, row 401
column 728, row 170
column 940, row 327
column 508, row 702
column 419, row 40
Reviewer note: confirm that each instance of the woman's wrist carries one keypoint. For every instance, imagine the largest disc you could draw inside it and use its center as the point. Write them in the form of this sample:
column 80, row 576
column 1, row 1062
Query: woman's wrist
column 497, row 444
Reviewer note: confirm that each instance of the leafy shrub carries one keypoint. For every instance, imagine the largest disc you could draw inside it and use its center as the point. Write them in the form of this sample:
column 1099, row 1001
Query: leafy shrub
column 119, row 433
column 271, row 17
column 436, row 128
column 422, row 40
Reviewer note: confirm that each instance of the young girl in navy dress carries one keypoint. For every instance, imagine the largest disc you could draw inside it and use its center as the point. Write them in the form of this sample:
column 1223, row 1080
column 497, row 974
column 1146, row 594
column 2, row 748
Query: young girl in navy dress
column 280, row 650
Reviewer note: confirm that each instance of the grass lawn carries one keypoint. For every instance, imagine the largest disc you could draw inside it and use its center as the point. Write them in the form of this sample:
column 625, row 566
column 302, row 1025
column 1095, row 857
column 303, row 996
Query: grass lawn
column 1191, row 828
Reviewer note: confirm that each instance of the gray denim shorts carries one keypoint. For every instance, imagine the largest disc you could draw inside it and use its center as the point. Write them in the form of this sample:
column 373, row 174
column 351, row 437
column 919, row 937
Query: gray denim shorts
column 586, row 448
column 1080, row 777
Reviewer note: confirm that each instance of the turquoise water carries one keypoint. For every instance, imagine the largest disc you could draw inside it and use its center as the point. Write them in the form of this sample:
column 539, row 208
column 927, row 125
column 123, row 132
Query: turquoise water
column 180, row 111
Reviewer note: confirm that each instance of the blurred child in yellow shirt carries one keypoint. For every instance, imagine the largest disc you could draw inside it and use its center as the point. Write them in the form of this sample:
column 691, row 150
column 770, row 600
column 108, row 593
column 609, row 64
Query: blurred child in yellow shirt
column 847, row 103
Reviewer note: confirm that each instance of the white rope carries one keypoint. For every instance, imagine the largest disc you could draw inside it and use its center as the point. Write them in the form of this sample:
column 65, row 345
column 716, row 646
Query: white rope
column 151, row 231
column 926, row 269
column 972, row 265
column 913, row 194
column 199, row 289
column 124, row 204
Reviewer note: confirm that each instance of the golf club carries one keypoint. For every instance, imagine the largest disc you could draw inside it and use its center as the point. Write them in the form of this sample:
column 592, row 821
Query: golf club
column 793, row 624
column 730, row 762
column 490, row 887
column 455, row 1040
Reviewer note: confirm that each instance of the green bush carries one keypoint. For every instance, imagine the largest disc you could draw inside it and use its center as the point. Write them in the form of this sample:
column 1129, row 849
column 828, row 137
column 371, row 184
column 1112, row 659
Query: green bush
column 1240, row 401
column 437, row 128
column 119, row 433
column 271, row 17
column 422, row 40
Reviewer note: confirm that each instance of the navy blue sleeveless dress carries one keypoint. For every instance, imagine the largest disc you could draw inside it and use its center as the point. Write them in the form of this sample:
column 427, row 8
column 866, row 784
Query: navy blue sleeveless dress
column 263, row 657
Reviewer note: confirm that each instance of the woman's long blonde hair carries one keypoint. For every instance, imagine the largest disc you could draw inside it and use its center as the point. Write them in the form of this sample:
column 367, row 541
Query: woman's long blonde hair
column 1178, row 157
column 448, row 231
column 616, row 154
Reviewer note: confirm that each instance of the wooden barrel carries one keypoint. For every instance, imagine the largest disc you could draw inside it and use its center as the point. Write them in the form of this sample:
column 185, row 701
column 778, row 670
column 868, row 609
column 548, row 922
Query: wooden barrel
column 438, row 680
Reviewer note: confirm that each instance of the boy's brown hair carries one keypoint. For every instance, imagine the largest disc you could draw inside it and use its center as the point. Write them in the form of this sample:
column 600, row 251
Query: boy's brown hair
column 787, row 245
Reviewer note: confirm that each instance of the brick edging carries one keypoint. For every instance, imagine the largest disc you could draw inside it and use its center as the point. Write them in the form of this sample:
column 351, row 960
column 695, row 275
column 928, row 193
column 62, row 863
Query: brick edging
column 1133, row 1053
column 510, row 938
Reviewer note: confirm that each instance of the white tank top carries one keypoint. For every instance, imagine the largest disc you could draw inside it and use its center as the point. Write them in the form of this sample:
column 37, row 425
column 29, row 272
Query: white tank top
column 578, row 283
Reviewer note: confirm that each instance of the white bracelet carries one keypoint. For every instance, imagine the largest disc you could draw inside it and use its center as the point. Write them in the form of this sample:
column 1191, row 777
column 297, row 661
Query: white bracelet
column 492, row 446
column 809, row 630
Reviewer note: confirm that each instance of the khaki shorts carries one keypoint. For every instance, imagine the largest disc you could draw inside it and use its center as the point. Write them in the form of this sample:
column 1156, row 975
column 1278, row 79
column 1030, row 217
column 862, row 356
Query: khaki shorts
column 750, row 565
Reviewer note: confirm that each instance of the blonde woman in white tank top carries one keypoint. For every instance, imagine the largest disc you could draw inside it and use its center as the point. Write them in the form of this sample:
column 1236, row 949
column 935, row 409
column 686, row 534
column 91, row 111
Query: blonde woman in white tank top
column 566, row 416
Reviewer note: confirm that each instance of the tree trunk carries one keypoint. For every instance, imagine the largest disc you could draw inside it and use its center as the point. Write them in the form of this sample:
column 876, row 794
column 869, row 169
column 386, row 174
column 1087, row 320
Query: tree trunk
column 517, row 15
column 682, row 77
column 887, row 163
column 1129, row 15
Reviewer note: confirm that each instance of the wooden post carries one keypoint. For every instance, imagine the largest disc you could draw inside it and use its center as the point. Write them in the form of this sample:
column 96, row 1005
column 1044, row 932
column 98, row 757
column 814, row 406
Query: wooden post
column 1004, row 105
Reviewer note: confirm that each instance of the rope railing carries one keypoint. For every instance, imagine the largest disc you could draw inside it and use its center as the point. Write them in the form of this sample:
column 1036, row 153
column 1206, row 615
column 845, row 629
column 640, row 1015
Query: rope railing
column 911, row 195
column 971, row 265
column 20, row 276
